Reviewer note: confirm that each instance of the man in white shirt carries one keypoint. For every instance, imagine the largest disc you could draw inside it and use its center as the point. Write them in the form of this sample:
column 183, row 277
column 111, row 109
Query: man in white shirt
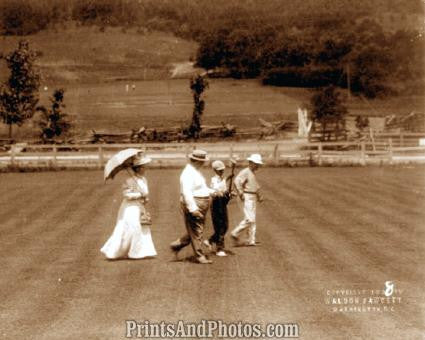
column 194, row 199
column 249, row 192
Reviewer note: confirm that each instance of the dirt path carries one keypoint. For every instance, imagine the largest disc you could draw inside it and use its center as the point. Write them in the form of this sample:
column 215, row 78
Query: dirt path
column 322, row 230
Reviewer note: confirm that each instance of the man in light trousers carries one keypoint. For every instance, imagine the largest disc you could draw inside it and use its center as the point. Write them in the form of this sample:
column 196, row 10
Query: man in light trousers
column 249, row 192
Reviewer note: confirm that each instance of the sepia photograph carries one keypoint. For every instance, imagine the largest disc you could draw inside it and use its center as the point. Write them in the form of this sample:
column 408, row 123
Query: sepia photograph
column 182, row 169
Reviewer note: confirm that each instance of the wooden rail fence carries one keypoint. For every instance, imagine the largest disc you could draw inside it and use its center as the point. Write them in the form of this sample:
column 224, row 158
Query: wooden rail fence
column 273, row 152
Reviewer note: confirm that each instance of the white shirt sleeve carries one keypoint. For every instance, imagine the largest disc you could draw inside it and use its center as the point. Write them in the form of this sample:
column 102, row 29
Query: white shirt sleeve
column 218, row 184
column 214, row 183
column 143, row 186
column 240, row 181
column 186, row 184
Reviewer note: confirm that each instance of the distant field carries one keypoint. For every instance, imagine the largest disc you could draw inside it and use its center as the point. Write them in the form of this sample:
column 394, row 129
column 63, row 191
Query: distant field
column 162, row 103
column 321, row 230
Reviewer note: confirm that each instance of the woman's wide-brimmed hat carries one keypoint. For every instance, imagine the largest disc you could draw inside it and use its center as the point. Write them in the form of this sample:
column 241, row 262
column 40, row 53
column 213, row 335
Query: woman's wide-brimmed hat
column 199, row 155
column 255, row 158
column 140, row 161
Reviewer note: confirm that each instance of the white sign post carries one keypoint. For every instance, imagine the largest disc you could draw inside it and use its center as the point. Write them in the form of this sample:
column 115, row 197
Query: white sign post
column 304, row 124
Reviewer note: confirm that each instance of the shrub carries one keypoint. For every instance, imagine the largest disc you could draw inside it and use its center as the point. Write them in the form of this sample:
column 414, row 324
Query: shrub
column 54, row 122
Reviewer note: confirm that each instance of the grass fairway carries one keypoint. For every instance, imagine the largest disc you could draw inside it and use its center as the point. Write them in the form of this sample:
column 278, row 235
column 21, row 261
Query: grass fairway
column 321, row 229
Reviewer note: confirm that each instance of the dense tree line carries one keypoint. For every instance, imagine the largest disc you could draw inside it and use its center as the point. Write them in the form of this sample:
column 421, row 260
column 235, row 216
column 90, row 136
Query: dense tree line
column 191, row 19
column 359, row 52
column 377, row 44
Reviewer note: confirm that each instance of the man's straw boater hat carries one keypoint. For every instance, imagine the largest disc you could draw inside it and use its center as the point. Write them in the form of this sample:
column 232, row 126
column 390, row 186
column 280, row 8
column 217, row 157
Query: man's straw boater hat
column 199, row 155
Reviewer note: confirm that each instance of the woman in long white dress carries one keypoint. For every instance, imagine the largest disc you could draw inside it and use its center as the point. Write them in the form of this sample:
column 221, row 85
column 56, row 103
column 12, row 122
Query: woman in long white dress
column 131, row 237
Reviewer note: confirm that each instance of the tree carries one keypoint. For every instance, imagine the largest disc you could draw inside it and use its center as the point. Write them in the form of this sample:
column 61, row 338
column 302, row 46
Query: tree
column 328, row 109
column 54, row 122
column 19, row 94
column 197, row 84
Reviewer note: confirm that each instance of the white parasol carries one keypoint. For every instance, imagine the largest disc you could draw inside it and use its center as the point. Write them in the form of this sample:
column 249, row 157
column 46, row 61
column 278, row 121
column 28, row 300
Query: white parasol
column 119, row 161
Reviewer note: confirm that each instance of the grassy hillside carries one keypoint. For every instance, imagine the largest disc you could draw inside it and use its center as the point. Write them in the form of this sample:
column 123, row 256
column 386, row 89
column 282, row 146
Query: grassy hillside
column 87, row 55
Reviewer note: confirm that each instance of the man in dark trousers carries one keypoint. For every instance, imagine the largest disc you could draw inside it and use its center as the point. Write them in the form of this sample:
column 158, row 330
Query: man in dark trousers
column 219, row 203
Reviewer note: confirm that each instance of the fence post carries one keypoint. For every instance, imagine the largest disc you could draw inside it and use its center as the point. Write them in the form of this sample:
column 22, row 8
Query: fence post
column 390, row 150
column 276, row 154
column 55, row 160
column 320, row 151
column 401, row 139
column 363, row 153
column 231, row 151
column 187, row 151
column 12, row 155
column 100, row 156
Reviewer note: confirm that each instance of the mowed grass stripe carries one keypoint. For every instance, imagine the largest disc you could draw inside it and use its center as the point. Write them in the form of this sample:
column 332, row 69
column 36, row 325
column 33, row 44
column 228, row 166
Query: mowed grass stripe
column 374, row 208
column 371, row 205
column 304, row 288
column 403, row 178
column 396, row 232
column 300, row 262
column 317, row 231
column 378, row 190
column 35, row 247
column 52, row 263
column 316, row 246
column 403, row 277
column 373, row 231
column 338, row 269
column 292, row 207
column 164, row 207
column 334, row 220
column 11, row 194
column 393, row 178
column 45, row 219
column 25, row 206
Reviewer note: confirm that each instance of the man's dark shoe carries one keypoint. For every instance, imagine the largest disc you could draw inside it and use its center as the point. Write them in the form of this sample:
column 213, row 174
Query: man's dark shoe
column 175, row 252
